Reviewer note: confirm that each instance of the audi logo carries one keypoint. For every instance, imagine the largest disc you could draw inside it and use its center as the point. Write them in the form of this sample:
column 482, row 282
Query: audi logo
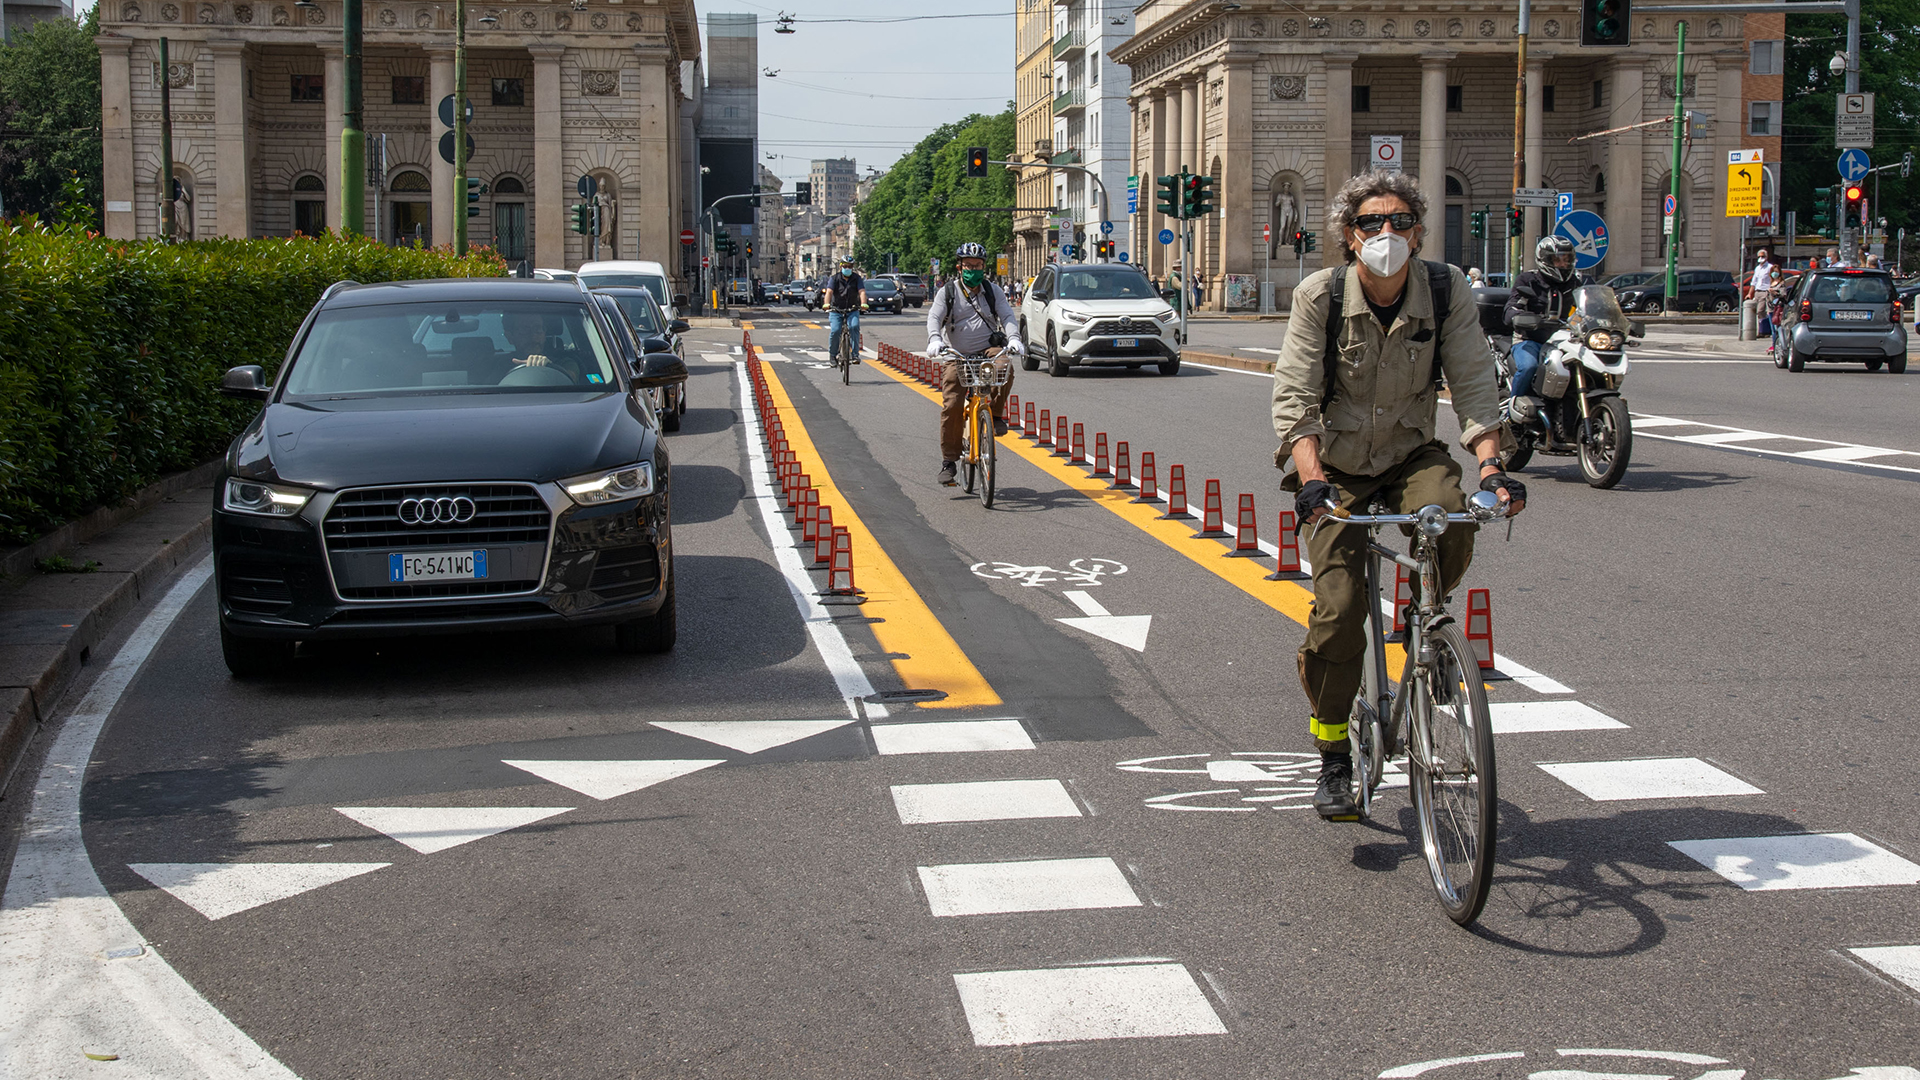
column 441, row 511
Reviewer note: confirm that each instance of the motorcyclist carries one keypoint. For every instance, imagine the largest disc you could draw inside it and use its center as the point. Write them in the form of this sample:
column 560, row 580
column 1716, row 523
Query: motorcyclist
column 1546, row 290
column 964, row 319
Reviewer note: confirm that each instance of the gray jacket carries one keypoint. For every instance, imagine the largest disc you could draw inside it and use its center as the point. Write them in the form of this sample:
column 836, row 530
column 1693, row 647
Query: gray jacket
column 965, row 330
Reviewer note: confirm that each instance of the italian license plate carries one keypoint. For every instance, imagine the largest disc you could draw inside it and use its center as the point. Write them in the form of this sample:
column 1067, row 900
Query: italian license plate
column 437, row 565
column 1126, row 343
column 1850, row 316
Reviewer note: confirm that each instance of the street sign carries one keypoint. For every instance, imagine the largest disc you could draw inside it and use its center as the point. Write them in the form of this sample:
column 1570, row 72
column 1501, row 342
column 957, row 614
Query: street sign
column 587, row 186
column 1563, row 203
column 1855, row 165
column 1668, row 205
column 1589, row 235
column 1133, row 194
column 707, row 261
column 1386, row 153
column 1123, row 256
column 1745, row 157
column 446, row 111
column 1106, row 228
column 1853, row 121
column 1166, row 236
column 686, row 236
column 1743, row 190
column 1266, row 234
column 446, row 146
column 1545, row 197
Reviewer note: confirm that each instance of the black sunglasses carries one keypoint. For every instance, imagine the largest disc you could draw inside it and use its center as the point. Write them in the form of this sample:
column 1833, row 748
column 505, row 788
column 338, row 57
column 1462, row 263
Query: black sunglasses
column 1368, row 224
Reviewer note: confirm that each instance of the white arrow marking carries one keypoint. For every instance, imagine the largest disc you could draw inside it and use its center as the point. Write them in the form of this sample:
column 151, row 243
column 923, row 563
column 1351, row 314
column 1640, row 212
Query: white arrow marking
column 218, row 890
column 427, row 829
column 1128, row 630
column 750, row 736
column 609, row 779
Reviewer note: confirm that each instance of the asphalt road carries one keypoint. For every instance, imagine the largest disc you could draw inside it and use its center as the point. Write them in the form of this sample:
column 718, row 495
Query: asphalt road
column 713, row 864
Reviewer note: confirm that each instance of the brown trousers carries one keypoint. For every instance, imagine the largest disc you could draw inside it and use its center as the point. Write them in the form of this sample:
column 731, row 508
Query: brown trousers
column 1333, row 657
column 953, row 407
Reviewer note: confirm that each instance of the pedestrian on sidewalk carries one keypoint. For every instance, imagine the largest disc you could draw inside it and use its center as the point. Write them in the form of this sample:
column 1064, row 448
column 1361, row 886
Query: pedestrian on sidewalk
column 1760, row 291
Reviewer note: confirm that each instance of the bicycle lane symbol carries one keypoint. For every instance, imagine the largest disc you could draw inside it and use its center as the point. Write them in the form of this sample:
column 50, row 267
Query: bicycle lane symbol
column 1613, row 1064
column 1271, row 779
column 1079, row 572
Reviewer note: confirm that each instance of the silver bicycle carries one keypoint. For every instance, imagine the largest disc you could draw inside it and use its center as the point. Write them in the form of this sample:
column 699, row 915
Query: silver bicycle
column 1441, row 706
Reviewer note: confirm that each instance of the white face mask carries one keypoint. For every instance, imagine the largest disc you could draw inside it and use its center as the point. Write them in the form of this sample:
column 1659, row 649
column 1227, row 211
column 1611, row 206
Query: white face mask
column 1385, row 253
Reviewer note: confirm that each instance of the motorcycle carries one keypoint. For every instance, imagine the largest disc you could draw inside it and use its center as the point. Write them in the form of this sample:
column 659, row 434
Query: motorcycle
column 1575, row 408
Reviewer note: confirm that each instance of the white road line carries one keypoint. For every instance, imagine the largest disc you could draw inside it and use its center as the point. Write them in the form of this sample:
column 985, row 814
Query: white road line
column 1809, row 861
column 79, row 976
column 1112, row 1001
column 950, row 737
column 827, row 638
column 427, row 829
column 1653, row 778
column 1086, row 603
column 1847, row 453
column 750, row 736
column 983, row 800
column 1900, row 961
column 1228, row 370
column 1522, row 717
column 218, row 890
column 997, row 888
column 1818, row 449
column 612, row 779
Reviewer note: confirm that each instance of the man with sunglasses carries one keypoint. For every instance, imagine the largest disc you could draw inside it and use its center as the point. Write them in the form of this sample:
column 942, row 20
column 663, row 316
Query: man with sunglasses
column 1355, row 393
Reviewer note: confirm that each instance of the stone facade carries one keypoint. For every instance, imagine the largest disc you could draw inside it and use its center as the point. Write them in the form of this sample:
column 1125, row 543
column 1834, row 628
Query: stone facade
column 593, row 88
column 1033, row 134
column 1279, row 101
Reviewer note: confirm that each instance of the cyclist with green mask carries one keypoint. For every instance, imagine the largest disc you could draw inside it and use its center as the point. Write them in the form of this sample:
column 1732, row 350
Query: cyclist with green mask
column 968, row 318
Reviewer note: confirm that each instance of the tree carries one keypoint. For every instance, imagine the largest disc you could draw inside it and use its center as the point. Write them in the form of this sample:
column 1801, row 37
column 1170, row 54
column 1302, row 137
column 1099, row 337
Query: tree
column 910, row 212
column 50, row 119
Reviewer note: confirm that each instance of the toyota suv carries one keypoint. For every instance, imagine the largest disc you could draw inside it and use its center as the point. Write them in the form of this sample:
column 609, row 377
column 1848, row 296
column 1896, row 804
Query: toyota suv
column 1842, row 314
column 1105, row 313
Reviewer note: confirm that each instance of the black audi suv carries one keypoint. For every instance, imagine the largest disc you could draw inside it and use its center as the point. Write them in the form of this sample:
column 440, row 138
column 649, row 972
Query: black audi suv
column 441, row 457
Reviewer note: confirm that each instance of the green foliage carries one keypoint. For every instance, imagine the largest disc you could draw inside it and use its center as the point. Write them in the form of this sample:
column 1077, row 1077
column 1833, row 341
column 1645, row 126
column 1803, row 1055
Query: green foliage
column 50, row 113
column 111, row 351
column 1890, row 70
column 910, row 210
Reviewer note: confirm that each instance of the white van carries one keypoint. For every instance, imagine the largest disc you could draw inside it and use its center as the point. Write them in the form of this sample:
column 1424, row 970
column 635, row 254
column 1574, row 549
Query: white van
column 652, row 276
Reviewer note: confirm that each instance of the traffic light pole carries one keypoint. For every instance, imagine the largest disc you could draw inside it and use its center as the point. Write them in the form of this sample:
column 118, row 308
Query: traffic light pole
column 707, row 219
column 460, row 126
column 1679, row 125
column 1082, row 170
column 1516, row 236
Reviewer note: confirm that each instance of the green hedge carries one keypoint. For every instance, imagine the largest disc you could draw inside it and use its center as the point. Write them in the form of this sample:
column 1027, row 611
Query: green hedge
column 110, row 351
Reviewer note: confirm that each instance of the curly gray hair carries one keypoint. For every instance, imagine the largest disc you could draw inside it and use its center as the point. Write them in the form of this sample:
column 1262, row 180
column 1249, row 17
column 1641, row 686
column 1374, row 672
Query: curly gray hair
column 1345, row 204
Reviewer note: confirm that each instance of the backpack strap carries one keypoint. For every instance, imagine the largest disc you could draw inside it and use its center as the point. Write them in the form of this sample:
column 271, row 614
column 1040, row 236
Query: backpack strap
column 1336, row 321
column 1440, row 284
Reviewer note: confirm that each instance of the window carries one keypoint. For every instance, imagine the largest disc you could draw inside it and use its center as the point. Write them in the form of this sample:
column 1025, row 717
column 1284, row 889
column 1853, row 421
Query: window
column 1456, row 97
column 309, row 182
column 1767, row 57
column 1599, row 94
column 309, row 88
column 509, row 185
column 1763, row 118
column 509, row 91
column 1093, row 71
column 409, row 89
column 1455, row 190
column 1546, row 98
column 1363, row 99
column 410, row 181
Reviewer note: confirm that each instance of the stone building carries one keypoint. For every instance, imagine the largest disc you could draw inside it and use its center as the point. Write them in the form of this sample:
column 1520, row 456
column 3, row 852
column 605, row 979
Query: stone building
column 1032, row 134
column 559, row 91
column 1280, row 100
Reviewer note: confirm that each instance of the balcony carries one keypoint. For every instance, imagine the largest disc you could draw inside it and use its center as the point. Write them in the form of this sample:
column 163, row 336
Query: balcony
column 1043, row 147
column 1070, row 102
column 1069, row 156
column 1069, row 43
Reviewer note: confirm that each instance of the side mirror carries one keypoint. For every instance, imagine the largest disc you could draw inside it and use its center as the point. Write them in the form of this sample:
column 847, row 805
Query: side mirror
column 246, row 381
column 1636, row 328
column 655, row 344
column 680, row 300
column 660, row 369
column 1526, row 320
column 1171, row 296
column 679, row 326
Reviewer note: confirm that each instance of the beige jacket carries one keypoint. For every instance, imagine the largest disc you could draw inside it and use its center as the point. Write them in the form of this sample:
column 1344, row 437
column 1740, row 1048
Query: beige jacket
column 1384, row 407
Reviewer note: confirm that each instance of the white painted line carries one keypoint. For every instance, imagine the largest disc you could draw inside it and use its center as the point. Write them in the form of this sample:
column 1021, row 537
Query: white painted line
column 1640, row 422
column 717, row 358
column 427, row 829
column 1839, row 453
column 1228, row 370
column 1038, row 885
column 1406, row 1072
column 1518, row 717
column 834, row 651
column 58, row 926
column 611, row 779
column 1714, row 438
column 751, row 736
column 1809, row 861
column 1651, row 778
column 218, row 890
column 1527, row 677
column 1658, row 1055
column 1900, row 961
column 1086, row 603
column 950, row 737
column 1131, row 1001
column 1847, row 453
column 983, row 800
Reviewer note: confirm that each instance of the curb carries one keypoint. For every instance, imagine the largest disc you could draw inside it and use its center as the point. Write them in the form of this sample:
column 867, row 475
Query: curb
column 1238, row 363
column 49, row 647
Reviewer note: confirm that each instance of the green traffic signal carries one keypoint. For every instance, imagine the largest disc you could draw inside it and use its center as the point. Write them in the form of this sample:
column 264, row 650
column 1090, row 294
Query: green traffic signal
column 1605, row 23
column 1168, row 201
column 1198, row 200
column 583, row 218
column 1822, row 209
column 1312, row 244
column 1479, row 224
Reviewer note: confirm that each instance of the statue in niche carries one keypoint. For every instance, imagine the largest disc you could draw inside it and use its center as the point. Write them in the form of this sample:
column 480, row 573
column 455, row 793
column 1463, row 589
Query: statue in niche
column 1286, row 210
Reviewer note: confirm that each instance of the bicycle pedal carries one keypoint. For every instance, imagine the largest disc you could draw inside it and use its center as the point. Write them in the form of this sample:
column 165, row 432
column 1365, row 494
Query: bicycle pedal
column 1340, row 817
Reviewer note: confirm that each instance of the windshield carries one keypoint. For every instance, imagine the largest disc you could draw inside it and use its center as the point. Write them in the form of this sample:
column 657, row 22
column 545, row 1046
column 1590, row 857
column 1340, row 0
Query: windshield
column 653, row 283
column 1596, row 304
column 881, row 286
column 1852, row 289
column 1105, row 283
column 456, row 347
column 639, row 312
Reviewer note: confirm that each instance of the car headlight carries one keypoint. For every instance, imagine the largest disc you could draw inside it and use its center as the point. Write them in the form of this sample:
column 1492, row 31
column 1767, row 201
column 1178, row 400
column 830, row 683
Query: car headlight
column 268, row 500
column 1075, row 316
column 625, row 482
column 1168, row 316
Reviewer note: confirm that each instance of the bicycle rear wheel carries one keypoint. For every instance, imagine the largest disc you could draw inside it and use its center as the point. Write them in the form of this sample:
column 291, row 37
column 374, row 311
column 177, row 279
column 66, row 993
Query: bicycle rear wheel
column 984, row 442
column 845, row 359
column 1454, row 792
column 969, row 450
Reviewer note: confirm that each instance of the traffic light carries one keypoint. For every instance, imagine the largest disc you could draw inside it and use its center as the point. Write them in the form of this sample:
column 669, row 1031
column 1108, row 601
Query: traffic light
column 976, row 161
column 749, row 249
column 1312, row 244
column 583, row 218
column 1516, row 220
column 1199, row 196
column 1167, row 189
column 475, row 189
column 803, row 193
column 1605, row 22
column 1856, row 204
column 1822, row 210
column 1479, row 218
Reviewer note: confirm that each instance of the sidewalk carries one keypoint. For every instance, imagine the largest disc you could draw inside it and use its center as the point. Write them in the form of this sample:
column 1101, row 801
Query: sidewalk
column 50, row 622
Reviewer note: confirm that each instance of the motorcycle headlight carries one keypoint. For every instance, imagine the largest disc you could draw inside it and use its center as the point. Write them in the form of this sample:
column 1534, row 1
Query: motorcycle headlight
column 1603, row 341
column 625, row 482
column 268, row 500
column 1075, row 316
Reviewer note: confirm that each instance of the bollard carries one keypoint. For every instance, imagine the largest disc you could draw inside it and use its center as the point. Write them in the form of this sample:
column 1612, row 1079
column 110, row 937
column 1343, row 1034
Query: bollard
column 840, row 570
column 823, row 537
column 1062, row 445
column 1177, row 493
column 801, row 483
column 1212, row 514
column 1100, row 455
column 803, row 506
column 1013, row 410
column 1402, row 592
column 1026, row 429
column 1246, row 541
column 810, row 518
column 1079, row 455
column 1041, row 433
column 1122, row 467
column 1289, row 559
column 1480, row 611
column 1148, row 480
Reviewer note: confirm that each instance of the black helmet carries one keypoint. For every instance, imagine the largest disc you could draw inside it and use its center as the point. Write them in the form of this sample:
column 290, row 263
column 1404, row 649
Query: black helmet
column 1553, row 257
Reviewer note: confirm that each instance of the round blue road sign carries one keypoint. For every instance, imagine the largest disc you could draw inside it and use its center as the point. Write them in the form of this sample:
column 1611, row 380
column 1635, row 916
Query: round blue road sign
column 1166, row 236
column 1854, row 165
column 1589, row 235
column 1106, row 227
column 1123, row 256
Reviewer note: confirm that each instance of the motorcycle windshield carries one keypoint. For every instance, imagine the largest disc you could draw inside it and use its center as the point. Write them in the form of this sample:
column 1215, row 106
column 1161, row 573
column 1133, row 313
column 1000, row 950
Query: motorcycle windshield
column 1598, row 306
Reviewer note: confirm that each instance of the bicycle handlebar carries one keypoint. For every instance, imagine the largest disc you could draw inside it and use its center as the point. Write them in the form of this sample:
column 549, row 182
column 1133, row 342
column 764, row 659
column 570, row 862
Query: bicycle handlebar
column 1482, row 507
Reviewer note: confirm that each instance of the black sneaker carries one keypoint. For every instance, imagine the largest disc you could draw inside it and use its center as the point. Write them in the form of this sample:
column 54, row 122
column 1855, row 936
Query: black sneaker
column 1333, row 796
column 949, row 475
column 999, row 426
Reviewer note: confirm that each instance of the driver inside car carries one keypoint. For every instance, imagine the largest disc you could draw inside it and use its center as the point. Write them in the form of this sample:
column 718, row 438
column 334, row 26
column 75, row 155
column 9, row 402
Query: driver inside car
column 527, row 334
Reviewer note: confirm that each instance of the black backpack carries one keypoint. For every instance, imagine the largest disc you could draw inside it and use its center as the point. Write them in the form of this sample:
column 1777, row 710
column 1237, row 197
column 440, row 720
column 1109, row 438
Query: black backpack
column 1439, row 281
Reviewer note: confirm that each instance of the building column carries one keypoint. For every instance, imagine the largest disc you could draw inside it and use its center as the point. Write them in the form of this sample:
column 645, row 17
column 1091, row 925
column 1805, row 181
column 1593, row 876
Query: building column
column 549, row 176
column 1337, row 156
column 1626, row 165
column 1187, row 153
column 1433, row 144
column 1535, row 168
column 656, row 238
column 231, row 190
column 439, row 85
column 116, row 136
column 336, row 92
column 1166, row 133
column 1238, row 211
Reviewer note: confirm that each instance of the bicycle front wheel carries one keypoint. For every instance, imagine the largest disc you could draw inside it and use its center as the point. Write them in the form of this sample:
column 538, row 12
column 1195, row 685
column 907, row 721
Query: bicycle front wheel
column 984, row 442
column 1454, row 793
column 846, row 357
column 969, row 449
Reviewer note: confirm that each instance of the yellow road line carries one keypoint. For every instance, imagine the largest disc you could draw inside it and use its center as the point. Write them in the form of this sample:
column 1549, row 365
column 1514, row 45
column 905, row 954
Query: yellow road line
column 934, row 660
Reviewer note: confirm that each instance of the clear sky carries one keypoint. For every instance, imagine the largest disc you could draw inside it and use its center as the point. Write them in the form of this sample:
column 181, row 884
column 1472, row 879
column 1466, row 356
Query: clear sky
column 868, row 89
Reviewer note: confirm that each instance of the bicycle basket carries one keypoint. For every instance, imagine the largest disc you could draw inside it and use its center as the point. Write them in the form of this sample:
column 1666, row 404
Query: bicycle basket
column 984, row 373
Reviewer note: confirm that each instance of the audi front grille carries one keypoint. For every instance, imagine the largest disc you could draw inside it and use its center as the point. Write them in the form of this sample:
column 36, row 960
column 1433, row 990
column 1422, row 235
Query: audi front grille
column 501, row 514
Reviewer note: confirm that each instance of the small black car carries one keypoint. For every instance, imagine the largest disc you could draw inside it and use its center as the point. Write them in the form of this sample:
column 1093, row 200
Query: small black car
column 882, row 295
column 656, row 333
column 441, row 457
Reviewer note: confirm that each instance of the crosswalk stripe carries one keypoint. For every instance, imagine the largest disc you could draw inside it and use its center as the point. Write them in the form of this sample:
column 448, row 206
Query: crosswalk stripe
column 982, row 800
column 1803, row 861
column 1519, row 717
column 1900, row 961
column 1650, row 778
column 950, row 737
column 1116, row 1001
column 1034, row 885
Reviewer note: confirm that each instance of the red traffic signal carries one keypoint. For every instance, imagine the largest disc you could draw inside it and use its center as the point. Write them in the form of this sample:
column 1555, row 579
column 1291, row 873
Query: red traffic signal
column 1854, row 193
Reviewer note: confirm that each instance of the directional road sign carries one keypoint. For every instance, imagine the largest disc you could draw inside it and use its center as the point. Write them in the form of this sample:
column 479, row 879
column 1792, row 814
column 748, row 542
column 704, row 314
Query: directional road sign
column 446, row 146
column 1589, row 235
column 1166, row 236
column 1106, row 227
column 1854, row 165
column 1743, row 190
column 1133, row 194
column 1545, row 197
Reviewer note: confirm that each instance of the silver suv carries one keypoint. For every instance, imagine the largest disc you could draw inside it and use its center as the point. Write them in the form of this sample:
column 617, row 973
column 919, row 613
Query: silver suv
column 1101, row 313
column 913, row 290
column 1842, row 314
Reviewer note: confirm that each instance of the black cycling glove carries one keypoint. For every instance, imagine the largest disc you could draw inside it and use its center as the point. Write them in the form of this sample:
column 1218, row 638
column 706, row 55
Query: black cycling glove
column 1314, row 494
column 1516, row 490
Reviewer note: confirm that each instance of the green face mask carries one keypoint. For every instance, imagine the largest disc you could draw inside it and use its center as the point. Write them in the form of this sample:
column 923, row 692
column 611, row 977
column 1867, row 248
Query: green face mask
column 972, row 278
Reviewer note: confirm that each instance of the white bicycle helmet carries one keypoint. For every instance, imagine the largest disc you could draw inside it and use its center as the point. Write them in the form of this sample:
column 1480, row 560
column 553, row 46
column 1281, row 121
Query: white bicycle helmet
column 970, row 250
